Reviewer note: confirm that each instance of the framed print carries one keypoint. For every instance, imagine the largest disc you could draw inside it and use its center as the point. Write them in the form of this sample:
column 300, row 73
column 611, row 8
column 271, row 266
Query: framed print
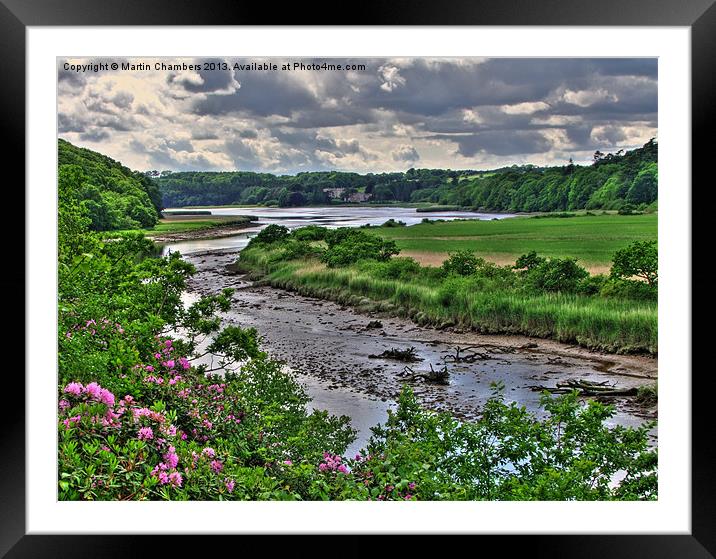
column 399, row 276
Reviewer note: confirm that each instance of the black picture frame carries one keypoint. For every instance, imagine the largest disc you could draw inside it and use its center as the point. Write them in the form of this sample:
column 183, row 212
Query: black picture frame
column 699, row 15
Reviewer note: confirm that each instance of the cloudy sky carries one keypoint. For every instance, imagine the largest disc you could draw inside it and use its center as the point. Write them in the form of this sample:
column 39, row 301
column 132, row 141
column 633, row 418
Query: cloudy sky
column 464, row 113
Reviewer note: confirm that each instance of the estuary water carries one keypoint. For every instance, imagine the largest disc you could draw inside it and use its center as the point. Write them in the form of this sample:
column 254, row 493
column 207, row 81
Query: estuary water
column 349, row 216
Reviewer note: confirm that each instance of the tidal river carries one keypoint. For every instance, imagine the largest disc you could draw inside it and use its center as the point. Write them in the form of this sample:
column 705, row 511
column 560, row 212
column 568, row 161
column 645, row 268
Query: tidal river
column 328, row 346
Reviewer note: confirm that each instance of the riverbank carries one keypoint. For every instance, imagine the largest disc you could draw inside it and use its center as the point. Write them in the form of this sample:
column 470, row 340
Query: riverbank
column 611, row 325
column 333, row 347
column 193, row 227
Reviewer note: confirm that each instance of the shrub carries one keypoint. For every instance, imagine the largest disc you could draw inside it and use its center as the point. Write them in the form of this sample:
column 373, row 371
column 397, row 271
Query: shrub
column 347, row 246
column 298, row 249
column 592, row 285
column 628, row 289
column 461, row 263
column 556, row 274
column 271, row 234
column 528, row 261
column 309, row 233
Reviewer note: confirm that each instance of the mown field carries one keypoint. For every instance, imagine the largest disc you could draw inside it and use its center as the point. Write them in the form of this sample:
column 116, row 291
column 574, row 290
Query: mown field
column 592, row 239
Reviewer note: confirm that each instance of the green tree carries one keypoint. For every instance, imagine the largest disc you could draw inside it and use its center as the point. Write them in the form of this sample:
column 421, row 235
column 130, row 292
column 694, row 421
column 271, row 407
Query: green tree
column 640, row 259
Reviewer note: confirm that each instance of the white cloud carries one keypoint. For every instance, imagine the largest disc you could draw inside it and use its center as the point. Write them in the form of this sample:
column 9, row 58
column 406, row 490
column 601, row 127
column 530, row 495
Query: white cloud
column 391, row 78
column 586, row 98
column 526, row 108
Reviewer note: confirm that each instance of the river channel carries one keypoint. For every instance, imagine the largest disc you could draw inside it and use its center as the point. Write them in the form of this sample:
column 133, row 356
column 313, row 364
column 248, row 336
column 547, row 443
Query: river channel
column 328, row 347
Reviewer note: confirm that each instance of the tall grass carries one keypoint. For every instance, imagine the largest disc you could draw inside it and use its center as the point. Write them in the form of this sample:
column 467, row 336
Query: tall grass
column 614, row 325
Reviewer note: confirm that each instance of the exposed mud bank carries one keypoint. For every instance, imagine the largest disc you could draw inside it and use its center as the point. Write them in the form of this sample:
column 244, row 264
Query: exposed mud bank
column 330, row 345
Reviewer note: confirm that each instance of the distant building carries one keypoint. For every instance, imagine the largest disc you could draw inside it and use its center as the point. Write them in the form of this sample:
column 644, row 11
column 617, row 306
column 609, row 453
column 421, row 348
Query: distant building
column 334, row 193
column 340, row 194
column 359, row 197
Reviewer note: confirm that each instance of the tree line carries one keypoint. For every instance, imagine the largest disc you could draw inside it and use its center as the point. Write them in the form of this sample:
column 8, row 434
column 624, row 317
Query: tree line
column 610, row 182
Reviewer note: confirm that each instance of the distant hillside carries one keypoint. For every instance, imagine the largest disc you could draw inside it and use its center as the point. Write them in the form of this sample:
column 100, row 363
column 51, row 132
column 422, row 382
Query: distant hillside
column 113, row 196
column 612, row 181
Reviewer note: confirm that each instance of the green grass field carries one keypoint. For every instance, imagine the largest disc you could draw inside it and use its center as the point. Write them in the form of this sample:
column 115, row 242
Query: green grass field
column 183, row 223
column 591, row 239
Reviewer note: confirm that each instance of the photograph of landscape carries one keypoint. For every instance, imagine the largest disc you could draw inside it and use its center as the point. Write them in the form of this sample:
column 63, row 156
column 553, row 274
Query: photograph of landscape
column 367, row 279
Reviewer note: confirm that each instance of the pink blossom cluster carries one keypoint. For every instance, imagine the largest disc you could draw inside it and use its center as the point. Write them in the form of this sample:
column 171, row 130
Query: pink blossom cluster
column 93, row 390
column 94, row 327
column 167, row 366
column 332, row 463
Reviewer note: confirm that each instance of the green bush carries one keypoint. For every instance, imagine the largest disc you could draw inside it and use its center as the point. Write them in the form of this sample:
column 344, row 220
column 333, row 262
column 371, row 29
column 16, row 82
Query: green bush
column 393, row 223
column 309, row 233
column 528, row 261
column 347, row 246
column 403, row 268
column 461, row 263
column 592, row 285
column 556, row 274
column 628, row 289
column 270, row 234
column 297, row 249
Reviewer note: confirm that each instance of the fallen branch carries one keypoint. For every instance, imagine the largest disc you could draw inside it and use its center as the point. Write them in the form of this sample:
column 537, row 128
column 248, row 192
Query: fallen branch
column 409, row 355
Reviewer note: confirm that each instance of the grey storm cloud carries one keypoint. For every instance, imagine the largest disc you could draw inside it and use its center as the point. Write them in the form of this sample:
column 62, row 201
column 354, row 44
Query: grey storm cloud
column 452, row 113
column 499, row 143
column 405, row 153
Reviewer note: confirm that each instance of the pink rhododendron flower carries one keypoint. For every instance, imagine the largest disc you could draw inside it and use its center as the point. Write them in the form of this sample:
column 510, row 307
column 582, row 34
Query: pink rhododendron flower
column 216, row 466
column 170, row 458
column 145, row 434
column 93, row 389
column 106, row 397
column 74, row 388
column 208, row 451
column 64, row 404
column 175, row 479
column 229, row 484
column 68, row 422
column 149, row 368
column 163, row 478
column 288, row 462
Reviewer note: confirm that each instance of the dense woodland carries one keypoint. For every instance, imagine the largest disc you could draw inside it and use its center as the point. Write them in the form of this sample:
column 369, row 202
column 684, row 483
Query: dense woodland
column 610, row 182
column 111, row 195
column 117, row 198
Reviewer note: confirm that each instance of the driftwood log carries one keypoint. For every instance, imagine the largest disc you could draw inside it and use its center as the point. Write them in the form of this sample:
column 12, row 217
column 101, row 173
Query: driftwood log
column 409, row 355
column 587, row 388
column 441, row 376
column 466, row 355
